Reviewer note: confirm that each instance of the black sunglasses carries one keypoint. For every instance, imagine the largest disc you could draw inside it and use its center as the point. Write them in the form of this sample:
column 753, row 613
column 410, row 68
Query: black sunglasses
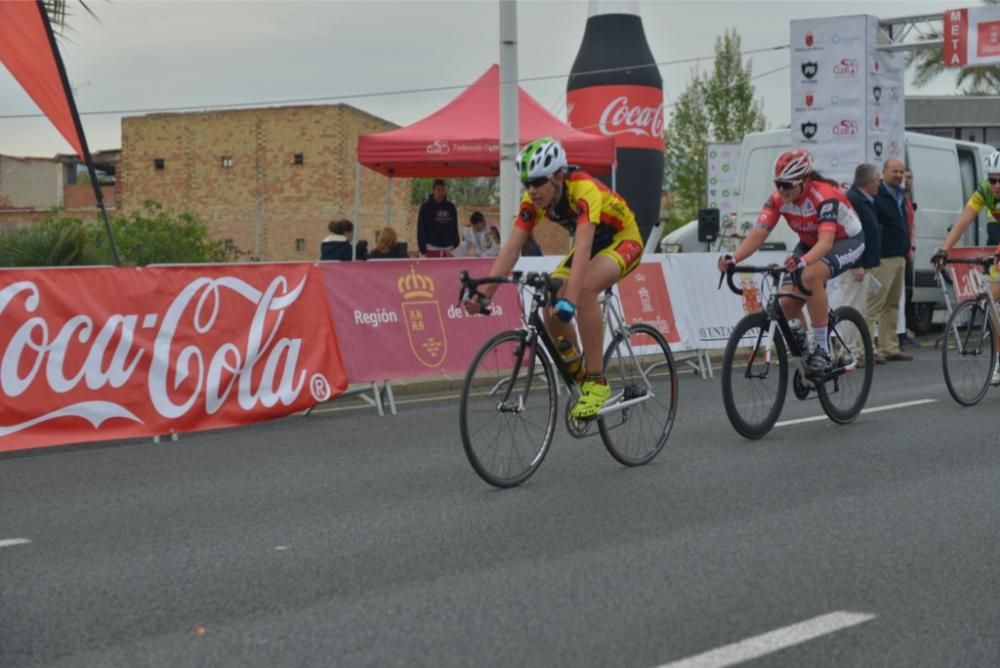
column 535, row 183
column 994, row 182
column 785, row 185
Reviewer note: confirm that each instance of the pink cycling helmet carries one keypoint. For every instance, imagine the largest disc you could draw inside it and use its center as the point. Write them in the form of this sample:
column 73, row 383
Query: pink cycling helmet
column 793, row 165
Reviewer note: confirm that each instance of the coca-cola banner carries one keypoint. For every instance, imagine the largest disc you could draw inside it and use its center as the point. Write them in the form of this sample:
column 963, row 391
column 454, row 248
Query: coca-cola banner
column 398, row 319
column 107, row 353
column 633, row 115
column 846, row 96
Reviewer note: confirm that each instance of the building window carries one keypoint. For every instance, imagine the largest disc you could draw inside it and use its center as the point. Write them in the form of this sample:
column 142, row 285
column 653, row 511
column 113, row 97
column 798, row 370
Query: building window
column 300, row 245
column 228, row 245
column 298, row 159
column 227, row 161
column 158, row 164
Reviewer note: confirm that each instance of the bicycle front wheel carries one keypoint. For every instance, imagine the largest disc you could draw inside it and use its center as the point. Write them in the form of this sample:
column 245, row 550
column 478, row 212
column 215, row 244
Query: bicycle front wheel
column 968, row 352
column 844, row 396
column 508, row 409
column 754, row 376
column 639, row 368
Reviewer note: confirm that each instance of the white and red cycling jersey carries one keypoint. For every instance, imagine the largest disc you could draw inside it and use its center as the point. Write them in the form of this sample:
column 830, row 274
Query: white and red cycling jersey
column 822, row 207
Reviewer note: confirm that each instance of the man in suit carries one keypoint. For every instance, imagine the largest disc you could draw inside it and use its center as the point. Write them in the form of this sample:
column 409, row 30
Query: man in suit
column 883, row 306
column 854, row 283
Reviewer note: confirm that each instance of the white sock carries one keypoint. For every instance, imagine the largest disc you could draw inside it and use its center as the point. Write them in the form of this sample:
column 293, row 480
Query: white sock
column 820, row 334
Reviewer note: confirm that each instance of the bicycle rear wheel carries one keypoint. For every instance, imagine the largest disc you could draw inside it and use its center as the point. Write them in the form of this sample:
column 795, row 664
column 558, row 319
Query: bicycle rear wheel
column 636, row 434
column 508, row 409
column 968, row 352
column 754, row 376
column 843, row 397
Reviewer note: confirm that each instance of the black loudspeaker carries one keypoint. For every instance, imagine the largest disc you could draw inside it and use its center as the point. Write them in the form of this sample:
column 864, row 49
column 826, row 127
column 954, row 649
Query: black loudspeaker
column 708, row 225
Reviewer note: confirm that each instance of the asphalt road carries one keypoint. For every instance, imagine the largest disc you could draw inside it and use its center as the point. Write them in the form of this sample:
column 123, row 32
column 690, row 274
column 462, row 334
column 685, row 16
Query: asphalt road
column 345, row 539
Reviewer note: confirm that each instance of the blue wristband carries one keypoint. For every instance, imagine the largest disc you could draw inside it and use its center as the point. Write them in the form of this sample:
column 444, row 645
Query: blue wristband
column 565, row 310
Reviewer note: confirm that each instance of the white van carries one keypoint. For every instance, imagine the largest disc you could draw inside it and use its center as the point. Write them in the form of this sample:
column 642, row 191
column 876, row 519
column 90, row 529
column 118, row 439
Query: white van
column 945, row 173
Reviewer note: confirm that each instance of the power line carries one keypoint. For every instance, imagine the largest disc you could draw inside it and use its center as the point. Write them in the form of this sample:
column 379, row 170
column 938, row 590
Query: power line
column 411, row 91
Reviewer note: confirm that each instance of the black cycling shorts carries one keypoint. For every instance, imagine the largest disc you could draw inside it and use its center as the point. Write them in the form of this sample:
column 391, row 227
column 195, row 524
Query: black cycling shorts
column 845, row 254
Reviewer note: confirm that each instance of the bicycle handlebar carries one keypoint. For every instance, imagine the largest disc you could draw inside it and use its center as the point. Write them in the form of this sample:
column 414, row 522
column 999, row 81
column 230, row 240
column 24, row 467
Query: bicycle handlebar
column 984, row 262
column 774, row 270
column 532, row 279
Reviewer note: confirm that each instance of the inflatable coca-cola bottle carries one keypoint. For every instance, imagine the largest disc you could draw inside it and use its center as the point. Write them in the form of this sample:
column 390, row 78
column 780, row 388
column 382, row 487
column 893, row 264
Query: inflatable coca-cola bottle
column 615, row 89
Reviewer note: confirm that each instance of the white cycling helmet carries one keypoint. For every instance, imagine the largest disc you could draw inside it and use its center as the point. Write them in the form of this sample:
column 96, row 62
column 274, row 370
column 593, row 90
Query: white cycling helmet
column 540, row 159
column 992, row 163
column 793, row 165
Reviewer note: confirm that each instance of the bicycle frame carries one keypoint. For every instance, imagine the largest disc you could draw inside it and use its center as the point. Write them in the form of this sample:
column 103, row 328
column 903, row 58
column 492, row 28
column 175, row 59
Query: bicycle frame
column 543, row 291
column 982, row 290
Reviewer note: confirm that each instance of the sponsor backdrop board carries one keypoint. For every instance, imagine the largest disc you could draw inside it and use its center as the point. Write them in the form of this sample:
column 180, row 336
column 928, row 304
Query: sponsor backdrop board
column 847, row 97
column 721, row 164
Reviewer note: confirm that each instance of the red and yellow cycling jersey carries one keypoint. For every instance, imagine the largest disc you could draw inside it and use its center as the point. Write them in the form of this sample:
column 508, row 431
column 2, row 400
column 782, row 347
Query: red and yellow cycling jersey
column 822, row 207
column 587, row 201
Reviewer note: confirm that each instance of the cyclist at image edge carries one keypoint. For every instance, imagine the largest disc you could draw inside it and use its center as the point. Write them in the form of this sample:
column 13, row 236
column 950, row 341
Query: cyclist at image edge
column 605, row 234
column 986, row 196
column 831, row 240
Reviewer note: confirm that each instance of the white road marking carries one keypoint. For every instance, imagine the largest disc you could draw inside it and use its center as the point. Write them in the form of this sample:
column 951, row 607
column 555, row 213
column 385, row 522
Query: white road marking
column 7, row 542
column 876, row 409
column 768, row 643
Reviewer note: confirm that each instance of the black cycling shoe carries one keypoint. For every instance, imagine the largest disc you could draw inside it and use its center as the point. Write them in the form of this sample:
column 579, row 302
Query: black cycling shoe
column 818, row 363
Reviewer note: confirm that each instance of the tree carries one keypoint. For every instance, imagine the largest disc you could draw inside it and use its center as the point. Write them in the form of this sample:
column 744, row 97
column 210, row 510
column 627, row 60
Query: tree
column 928, row 64
column 719, row 107
column 153, row 235
column 475, row 191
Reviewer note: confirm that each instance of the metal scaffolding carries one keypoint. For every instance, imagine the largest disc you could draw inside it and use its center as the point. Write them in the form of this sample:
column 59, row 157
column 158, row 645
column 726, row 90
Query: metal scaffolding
column 910, row 33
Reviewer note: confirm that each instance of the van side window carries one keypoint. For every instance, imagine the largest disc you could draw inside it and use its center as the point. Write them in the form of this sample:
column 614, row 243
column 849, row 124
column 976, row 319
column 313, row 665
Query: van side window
column 758, row 181
column 936, row 176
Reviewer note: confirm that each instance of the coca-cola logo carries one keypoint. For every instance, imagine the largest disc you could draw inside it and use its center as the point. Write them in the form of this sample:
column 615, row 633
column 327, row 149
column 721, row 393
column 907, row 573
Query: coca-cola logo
column 846, row 67
column 809, row 39
column 620, row 118
column 197, row 356
column 810, row 98
column 809, row 69
column 845, row 128
column 894, row 148
column 809, row 129
column 878, row 121
column 894, row 94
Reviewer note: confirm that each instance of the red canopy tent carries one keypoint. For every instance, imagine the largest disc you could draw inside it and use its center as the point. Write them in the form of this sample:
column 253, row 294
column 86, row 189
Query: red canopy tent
column 463, row 138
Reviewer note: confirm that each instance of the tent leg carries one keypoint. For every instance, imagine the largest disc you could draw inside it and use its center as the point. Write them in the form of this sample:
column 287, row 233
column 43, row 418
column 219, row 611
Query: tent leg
column 388, row 202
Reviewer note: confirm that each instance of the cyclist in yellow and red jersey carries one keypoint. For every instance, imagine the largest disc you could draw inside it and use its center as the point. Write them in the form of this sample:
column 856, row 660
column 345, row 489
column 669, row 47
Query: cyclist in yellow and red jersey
column 606, row 237
column 831, row 240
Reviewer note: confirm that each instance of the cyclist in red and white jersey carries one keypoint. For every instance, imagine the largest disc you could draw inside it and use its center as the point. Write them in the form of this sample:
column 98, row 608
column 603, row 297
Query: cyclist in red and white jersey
column 830, row 239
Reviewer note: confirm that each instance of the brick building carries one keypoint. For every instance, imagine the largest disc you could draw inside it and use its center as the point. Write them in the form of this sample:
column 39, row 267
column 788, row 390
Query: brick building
column 268, row 179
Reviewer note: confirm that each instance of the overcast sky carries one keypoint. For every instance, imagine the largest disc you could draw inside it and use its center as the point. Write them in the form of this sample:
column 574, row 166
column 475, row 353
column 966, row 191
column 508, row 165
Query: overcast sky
column 169, row 53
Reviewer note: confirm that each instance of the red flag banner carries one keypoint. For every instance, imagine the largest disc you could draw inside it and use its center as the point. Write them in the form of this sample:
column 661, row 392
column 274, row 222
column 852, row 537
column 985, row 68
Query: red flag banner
column 94, row 354
column 27, row 51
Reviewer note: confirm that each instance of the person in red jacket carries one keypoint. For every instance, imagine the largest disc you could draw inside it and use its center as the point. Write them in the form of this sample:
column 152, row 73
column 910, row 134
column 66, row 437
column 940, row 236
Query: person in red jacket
column 831, row 240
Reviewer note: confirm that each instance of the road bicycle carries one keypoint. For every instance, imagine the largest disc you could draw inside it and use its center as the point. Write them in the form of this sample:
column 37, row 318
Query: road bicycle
column 969, row 349
column 755, row 365
column 509, row 403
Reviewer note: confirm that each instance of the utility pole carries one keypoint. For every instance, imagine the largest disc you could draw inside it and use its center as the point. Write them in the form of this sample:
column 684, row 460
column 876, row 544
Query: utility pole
column 509, row 183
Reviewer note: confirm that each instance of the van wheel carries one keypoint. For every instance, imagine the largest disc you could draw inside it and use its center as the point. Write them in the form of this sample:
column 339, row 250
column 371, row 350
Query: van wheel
column 919, row 317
